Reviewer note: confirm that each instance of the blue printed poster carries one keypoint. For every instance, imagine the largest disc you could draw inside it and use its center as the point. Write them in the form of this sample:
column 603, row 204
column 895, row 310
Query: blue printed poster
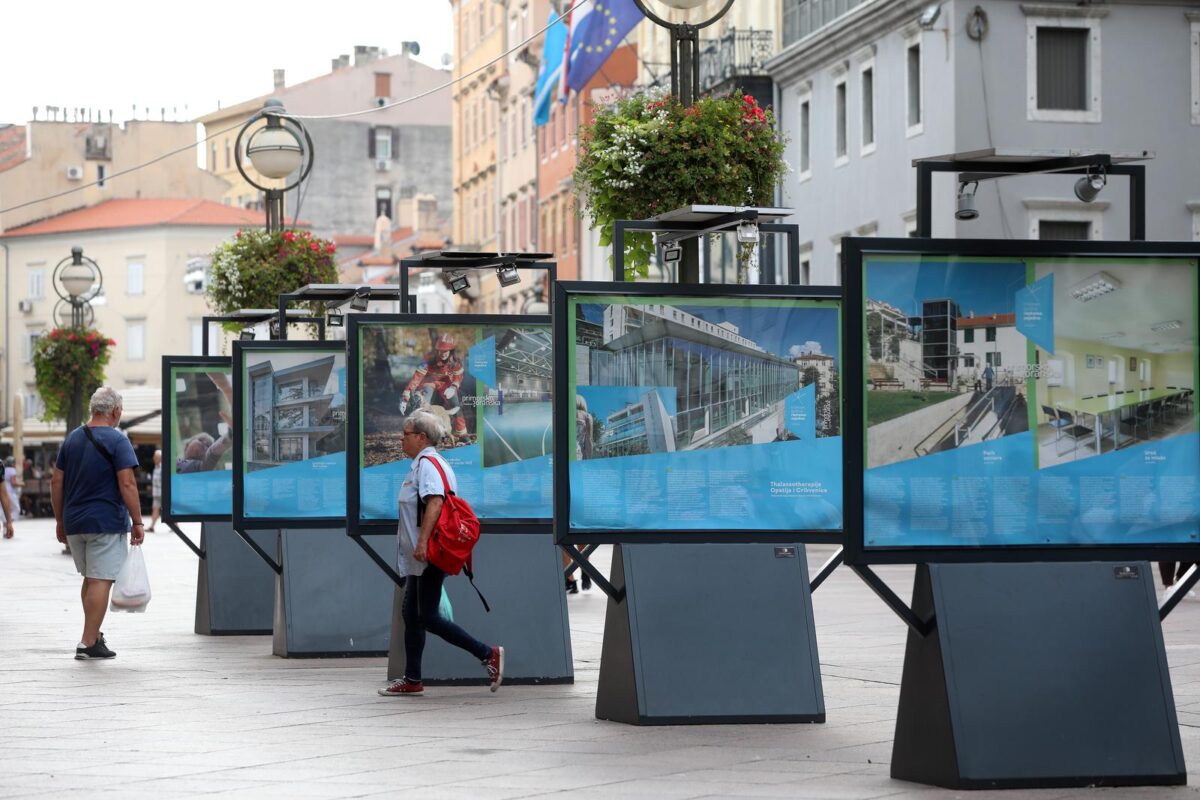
column 696, row 414
column 198, row 457
column 1031, row 402
column 488, row 386
column 294, row 434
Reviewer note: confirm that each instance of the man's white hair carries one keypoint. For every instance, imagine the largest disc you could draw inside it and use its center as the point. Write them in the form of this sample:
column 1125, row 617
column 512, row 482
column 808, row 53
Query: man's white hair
column 104, row 401
column 424, row 422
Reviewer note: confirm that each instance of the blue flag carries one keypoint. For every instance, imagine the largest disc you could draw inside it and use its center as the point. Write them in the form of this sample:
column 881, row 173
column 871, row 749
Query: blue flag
column 550, row 70
column 600, row 32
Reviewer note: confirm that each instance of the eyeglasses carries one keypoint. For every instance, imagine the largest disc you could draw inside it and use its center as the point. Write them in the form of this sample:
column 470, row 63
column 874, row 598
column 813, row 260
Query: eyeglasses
column 411, row 433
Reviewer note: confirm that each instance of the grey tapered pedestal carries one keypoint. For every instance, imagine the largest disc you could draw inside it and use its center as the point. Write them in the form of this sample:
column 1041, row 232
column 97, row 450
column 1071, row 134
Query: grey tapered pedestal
column 235, row 589
column 330, row 600
column 710, row 633
column 1037, row 676
column 521, row 575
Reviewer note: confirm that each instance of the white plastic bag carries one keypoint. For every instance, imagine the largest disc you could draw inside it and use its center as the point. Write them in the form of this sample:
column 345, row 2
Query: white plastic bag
column 131, row 591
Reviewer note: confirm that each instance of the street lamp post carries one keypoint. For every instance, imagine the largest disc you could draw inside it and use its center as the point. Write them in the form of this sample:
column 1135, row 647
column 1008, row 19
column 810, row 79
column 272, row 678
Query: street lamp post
column 685, row 81
column 77, row 280
column 276, row 150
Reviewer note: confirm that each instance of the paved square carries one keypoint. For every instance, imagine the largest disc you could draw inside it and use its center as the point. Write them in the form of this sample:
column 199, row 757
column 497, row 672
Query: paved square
column 176, row 714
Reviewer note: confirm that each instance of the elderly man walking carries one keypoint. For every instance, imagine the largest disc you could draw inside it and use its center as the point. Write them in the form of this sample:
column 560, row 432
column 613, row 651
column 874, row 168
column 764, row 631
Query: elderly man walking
column 95, row 497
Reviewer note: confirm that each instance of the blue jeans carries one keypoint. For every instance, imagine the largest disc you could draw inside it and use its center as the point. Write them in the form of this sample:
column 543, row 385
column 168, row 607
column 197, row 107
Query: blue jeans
column 422, row 612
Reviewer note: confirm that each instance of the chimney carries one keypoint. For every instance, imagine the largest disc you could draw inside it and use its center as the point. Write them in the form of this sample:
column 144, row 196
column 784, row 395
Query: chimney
column 278, row 76
column 360, row 54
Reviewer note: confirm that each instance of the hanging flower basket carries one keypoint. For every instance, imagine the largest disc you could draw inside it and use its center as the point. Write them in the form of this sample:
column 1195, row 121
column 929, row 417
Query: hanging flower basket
column 647, row 154
column 65, row 357
column 255, row 267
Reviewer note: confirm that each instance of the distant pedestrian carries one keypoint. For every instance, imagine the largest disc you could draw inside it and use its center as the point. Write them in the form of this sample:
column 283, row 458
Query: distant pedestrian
column 95, row 498
column 12, row 484
column 989, row 375
column 155, row 491
column 421, row 499
column 8, row 511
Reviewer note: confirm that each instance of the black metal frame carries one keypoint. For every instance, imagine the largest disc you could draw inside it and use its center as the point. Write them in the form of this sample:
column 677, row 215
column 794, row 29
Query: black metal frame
column 853, row 374
column 973, row 171
column 170, row 363
column 326, row 296
column 680, row 231
column 292, row 319
column 240, row 521
column 563, row 397
column 356, row 525
column 454, row 260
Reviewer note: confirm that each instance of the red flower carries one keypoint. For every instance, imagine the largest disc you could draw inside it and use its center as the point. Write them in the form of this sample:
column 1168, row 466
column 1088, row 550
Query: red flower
column 288, row 236
column 237, row 235
column 112, row 342
column 316, row 248
column 331, row 247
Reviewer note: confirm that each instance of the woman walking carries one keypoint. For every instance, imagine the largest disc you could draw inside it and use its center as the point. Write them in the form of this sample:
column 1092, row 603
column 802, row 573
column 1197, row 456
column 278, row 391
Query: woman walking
column 421, row 499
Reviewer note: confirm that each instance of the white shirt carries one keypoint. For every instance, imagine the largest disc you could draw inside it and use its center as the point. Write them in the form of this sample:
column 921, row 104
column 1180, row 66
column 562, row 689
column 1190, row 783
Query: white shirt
column 422, row 481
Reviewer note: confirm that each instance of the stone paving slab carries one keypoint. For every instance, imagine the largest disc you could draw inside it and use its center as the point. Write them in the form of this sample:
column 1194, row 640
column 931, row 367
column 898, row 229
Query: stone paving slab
column 179, row 715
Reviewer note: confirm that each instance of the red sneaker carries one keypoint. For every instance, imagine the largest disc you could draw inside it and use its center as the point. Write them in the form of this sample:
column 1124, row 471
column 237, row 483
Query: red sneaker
column 495, row 667
column 403, row 688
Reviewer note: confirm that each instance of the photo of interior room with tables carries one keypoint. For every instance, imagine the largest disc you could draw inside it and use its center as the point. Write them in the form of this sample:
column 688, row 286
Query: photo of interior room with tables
column 1123, row 370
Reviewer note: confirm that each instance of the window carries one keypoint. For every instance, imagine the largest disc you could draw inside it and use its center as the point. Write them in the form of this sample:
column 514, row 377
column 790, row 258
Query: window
column 37, row 283
column 383, row 144
column 915, row 90
column 993, row 359
column 135, row 339
column 383, row 202
column 101, row 175
column 805, row 259
column 866, row 121
column 1064, row 229
column 1144, row 371
column 34, row 407
column 195, row 275
column 1062, row 55
column 839, row 99
column 228, row 154
column 805, row 137
column 212, row 158
column 969, row 336
column 989, row 334
column 383, row 84
column 28, row 341
column 1115, row 372
column 1195, row 20
column 135, row 282
column 969, row 361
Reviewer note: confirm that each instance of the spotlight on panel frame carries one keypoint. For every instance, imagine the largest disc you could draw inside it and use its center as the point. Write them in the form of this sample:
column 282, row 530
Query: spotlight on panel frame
column 459, row 282
column 362, row 297
column 246, row 335
column 1089, row 186
column 508, row 275
column 965, row 208
column 335, row 319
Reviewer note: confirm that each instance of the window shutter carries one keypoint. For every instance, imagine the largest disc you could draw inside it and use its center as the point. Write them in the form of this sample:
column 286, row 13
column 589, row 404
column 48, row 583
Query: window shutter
column 370, row 142
column 1062, row 68
column 395, row 144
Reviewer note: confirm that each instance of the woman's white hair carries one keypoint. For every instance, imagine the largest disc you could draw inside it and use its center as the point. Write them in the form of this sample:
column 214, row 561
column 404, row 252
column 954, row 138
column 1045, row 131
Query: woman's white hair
column 427, row 423
column 104, row 401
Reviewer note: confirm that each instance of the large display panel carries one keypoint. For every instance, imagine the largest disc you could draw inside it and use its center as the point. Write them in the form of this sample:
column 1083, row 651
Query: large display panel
column 290, row 411
column 700, row 413
column 1022, row 401
column 197, row 408
column 489, row 380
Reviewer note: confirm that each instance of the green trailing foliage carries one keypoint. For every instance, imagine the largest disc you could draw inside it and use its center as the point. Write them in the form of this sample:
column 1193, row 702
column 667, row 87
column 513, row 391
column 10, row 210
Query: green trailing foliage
column 67, row 358
column 255, row 267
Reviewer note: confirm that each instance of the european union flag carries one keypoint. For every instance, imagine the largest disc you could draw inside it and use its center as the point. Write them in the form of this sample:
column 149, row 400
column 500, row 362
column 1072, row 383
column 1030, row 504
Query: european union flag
column 600, row 32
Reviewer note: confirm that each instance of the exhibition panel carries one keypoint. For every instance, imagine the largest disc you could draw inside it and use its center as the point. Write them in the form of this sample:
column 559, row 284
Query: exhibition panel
column 1022, row 400
column 197, row 439
column 701, row 413
column 290, row 411
column 487, row 378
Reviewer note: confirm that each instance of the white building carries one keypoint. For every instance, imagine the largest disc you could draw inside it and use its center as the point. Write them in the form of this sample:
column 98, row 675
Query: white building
column 991, row 340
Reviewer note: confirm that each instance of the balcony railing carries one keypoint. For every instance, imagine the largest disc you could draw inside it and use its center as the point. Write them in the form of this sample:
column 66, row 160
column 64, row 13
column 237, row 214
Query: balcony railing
column 802, row 17
column 739, row 53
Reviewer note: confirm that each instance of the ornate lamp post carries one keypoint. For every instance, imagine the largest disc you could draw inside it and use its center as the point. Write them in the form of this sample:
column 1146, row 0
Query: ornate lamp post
column 276, row 150
column 685, row 46
column 77, row 280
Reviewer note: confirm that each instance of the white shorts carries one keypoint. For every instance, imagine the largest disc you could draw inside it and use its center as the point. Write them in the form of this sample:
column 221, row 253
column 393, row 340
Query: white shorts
column 98, row 555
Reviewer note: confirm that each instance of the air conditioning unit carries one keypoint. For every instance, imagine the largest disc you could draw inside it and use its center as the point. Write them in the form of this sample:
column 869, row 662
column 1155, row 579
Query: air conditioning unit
column 25, row 306
column 74, row 173
column 382, row 164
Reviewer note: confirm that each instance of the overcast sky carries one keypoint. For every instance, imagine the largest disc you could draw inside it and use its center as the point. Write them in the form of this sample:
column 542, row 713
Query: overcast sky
column 132, row 52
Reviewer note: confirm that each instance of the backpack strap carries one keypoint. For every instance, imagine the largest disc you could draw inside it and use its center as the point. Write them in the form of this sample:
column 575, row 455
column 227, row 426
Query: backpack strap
column 103, row 450
column 441, row 472
column 471, row 577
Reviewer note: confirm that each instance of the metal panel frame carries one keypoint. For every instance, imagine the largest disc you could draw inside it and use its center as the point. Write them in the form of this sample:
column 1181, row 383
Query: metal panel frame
column 168, row 422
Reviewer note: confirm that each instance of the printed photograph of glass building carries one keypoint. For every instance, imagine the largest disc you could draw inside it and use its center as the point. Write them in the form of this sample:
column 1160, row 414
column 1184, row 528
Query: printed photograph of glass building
column 667, row 377
column 297, row 410
column 516, row 411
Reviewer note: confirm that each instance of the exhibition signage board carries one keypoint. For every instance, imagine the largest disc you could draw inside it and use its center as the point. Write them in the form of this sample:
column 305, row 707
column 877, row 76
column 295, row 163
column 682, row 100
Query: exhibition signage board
column 1021, row 401
column 488, row 380
column 197, row 466
column 290, row 414
column 697, row 413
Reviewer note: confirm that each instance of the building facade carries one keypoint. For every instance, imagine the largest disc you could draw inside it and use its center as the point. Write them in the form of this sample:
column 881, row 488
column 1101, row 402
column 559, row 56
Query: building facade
column 45, row 158
column 866, row 88
column 152, row 254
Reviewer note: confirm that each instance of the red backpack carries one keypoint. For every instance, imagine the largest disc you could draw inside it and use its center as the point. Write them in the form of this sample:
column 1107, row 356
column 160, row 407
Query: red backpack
column 454, row 535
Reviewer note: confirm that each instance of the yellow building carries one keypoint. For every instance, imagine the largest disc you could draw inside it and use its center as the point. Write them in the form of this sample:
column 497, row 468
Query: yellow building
column 46, row 158
column 153, row 255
